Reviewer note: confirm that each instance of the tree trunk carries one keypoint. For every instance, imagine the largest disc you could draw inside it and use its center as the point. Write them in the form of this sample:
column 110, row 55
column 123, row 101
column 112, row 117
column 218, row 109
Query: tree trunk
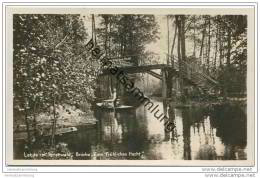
column 180, row 46
column 216, row 47
column 27, row 126
column 208, row 56
column 229, row 46
column 109, row 55
column 179, row 40
column 168, row 40
column 174, row 38
column 109, row 42
column 106, row 34
column 183, row 48
column 194, row 39
column 34, row 119
column 54, row 123
column 220, row 46
column 202, row 42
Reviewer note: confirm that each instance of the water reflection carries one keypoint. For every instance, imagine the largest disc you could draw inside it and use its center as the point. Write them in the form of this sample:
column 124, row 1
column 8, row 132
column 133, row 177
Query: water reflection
column 201, row 133
column 230, row 123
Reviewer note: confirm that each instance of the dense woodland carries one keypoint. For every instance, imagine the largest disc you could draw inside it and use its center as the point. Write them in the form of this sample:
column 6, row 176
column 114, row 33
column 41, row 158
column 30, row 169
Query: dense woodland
column 51, row 65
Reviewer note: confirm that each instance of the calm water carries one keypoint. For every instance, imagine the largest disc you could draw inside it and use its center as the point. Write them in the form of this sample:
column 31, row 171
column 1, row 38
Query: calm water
column 201, row 133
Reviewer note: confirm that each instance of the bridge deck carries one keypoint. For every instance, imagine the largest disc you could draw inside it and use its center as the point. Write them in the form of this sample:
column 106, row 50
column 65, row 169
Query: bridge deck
column 191, row 73
column 139, row 69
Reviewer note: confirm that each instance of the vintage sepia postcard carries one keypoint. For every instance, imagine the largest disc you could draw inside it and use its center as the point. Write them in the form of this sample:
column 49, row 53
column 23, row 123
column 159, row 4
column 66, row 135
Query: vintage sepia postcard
column 130, row 86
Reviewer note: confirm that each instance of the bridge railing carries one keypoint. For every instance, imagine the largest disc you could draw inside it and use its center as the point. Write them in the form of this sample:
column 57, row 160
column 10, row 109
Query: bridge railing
column 191, row 71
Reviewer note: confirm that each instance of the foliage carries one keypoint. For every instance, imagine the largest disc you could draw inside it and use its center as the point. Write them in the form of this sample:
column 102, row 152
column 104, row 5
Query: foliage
column 47, row 62
column 127, row 35
column 219, row 44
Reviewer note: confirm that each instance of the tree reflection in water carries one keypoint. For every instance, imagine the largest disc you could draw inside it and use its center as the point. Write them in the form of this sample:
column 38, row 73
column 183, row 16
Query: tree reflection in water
column 231, row 126
column 200, row 133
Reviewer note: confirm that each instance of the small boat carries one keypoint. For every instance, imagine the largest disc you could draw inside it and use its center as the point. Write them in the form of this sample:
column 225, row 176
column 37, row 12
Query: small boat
column 66, row 130
column 109, row 106
column 60, row 131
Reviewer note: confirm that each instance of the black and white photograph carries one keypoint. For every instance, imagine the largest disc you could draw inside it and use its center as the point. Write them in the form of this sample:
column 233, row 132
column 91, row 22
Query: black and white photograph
column 121, row 86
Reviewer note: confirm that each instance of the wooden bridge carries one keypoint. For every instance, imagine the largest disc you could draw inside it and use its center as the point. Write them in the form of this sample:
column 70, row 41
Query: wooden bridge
column 191, row 73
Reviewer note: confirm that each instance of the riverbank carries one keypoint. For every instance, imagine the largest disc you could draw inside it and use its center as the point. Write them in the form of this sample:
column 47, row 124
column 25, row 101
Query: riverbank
column 203, row 103
column 67, row 116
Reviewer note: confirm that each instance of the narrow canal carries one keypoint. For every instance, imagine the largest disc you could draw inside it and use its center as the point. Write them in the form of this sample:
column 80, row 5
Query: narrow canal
column 217, row 132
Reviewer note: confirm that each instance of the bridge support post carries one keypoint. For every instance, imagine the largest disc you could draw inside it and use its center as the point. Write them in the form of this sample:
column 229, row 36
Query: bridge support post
column 166, row 84
column 166, row 93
